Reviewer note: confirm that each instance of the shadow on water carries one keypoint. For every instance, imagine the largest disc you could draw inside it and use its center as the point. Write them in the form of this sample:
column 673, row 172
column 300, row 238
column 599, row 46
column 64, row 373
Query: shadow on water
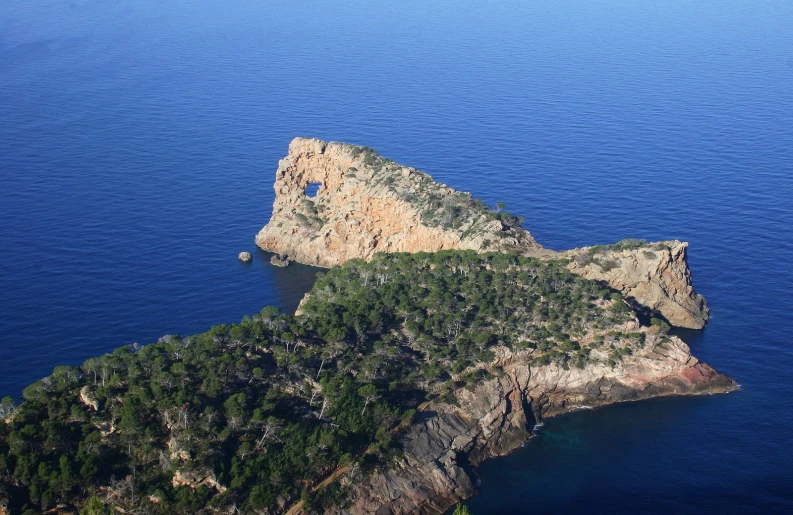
column 291, row 282
column 584, row 460
column 692, row 337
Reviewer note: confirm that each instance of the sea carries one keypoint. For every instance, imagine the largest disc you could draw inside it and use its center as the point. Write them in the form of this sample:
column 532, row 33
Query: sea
column 139, row 141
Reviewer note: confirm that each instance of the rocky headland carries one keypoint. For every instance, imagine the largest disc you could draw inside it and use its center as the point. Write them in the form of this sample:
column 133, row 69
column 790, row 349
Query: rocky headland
column 440, row 336
column 367, row 204
column 611, row 357
column 497, row 416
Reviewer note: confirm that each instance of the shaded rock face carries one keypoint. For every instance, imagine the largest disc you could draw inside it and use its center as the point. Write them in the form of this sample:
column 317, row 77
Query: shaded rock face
column 366, row 204
column 195, row 478
column 655, row 276
column 280, row 260
column 497, row 417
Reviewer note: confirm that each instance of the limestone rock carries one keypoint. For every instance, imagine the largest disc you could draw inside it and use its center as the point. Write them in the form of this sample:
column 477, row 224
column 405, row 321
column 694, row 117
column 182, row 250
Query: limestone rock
column 655, row 276
column 177, row 452
column 245, row 257
column 281, row 260
column 87, row 398
column 195, row 478
column 367, row 204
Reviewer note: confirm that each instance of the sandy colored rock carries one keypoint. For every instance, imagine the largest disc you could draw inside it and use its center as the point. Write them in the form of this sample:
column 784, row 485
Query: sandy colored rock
column 245, row 257
column 176, row 450
column 655, row 276
column 87, row 398
column 196, row 478
column 367, row 204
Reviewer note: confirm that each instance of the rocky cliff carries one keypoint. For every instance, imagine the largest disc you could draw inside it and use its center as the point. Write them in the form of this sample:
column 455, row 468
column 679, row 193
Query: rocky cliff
column 497, row 416
column 367, row 204
column 653, row 276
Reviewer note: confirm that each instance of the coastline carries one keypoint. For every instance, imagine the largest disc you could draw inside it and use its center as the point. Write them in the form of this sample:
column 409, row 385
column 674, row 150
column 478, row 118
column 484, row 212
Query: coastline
column 448, row 442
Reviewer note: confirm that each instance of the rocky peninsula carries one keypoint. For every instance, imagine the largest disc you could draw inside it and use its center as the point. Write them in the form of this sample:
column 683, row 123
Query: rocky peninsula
column 401, row 371
column 367, row 204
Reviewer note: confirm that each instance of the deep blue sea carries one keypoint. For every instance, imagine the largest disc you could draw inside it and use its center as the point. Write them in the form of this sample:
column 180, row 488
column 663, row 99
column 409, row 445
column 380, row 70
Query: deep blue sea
column 139, row 140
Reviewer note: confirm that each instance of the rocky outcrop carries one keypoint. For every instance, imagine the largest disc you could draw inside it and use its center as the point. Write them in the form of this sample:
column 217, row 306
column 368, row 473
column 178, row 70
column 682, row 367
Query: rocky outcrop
column 195, row 479
column 177, row 452
column 245, row 257
column 280, row 260
column 367, row 204
column 497, row 416
column 88, row 399
column 654, row 276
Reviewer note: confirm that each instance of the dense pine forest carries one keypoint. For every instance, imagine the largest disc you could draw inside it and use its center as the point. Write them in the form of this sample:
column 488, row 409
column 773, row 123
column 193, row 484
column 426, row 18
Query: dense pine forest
column 250, row 416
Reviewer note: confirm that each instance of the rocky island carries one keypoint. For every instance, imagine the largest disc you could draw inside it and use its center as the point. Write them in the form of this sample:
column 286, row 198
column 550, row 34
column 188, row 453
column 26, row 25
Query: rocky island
column 441, row 334
column 367, row 204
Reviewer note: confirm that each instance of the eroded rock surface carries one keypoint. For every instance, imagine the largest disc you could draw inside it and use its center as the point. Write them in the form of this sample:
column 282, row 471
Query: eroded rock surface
column 87, row 398
column 367, row 204
column 280, row 260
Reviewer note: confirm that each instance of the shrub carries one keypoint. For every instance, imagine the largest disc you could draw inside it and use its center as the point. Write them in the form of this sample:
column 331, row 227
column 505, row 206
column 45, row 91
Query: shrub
column 608, row 264
column 660, row 324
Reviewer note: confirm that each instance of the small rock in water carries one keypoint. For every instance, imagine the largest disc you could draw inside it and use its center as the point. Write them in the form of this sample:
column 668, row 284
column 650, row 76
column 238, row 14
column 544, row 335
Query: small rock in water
column 280, row 260
column 245, row 257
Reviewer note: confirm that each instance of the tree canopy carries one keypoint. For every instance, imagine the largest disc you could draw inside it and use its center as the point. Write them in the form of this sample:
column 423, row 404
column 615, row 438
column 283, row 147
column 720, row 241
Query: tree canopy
column 251, row 415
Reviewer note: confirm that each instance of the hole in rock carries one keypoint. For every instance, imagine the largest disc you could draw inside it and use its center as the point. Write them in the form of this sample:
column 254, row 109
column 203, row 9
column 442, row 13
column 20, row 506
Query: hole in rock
column 312, row 189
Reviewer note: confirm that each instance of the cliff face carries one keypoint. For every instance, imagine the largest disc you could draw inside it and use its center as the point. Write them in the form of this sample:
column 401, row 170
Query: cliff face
column 655, row 276
column 367, row 204
column 498, row 415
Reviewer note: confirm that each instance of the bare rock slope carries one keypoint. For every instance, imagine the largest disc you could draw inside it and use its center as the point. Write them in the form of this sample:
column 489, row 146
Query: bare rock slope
column 367, row 204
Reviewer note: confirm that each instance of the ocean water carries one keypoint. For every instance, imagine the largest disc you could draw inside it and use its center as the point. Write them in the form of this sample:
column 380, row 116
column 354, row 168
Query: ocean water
column 139, row 140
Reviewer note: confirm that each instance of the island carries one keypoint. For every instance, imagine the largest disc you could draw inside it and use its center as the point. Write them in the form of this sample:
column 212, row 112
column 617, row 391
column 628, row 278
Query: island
column 367, row 204
column 441, row 335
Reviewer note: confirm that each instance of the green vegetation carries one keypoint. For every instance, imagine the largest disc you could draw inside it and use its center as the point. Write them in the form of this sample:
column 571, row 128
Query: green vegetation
column 453, row 307
column 252, row 415
column 595, row 254
column 628, row 244
column 461, row 510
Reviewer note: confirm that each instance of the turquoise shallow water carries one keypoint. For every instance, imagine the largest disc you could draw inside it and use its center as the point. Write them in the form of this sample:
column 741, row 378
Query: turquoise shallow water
column 138, row 141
